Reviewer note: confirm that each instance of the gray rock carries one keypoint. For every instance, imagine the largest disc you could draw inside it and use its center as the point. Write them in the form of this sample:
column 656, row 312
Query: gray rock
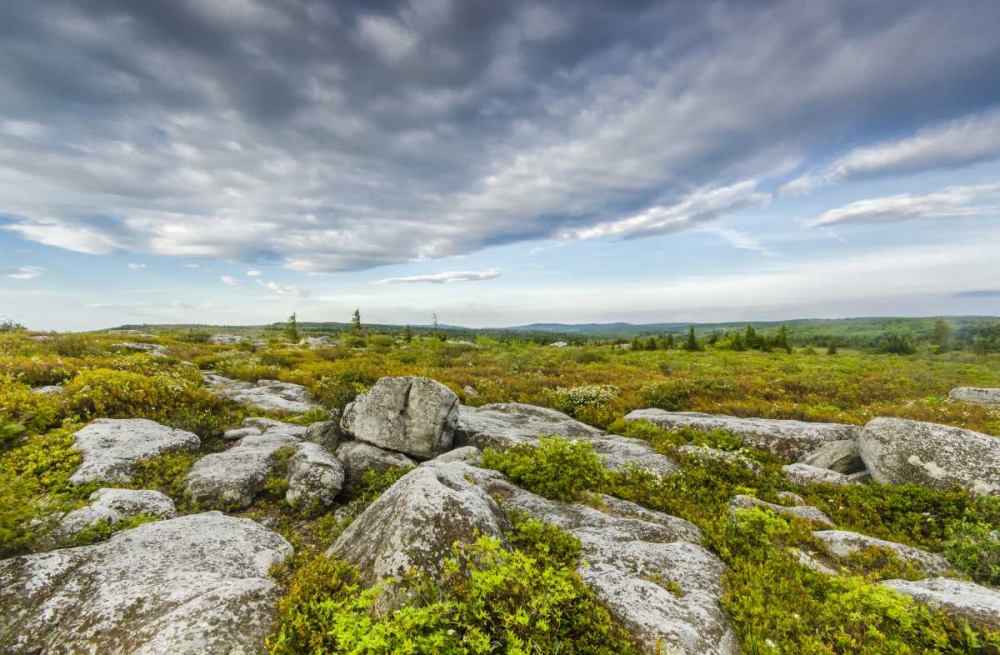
column 803, row 474
column 804, row 512
column 470, row 392
column 315, row 476
column 192, row 585
column 411, row 415
column 154, row 349
column 111, row 448
column 861, row 477
column 315, row 342
column 965, row 601
column 897, row 451
column 842, row 456
column 269, row 395
column 111, row 506
column 49, row 390
column 358, row 458
column 809, row 561
column 468, row 454
column 789, row 440
column 238, row 433
column 225, row 339
column 705, row 453
column 324, row 433
column 842, row 544
column 788, row 498
column 976, row 395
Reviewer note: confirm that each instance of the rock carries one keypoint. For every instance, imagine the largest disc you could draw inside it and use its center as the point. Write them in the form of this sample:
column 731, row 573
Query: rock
column 803, row 474
column 842, row 456
column 197, row 584
column 238, row 433
column 897, row 451
column 976, row 395
column 234, row 477
column 154, row 349
column 411, row 415
column 112, row 506
column 964, row 601
column 502, row 425
column 225, row 339
column 269, row 395
column 861, row 477
column 358, row 458
column 789, row 440
column 468, row 454
column 788, row 498
column 804, row 512
column 705, row 453
column 470, row 392
column 325, row 433
column 315, row 478
column 315, row 342
column 414, row 524
column 558, row 344
column 807, row 560
column 111, row 448
column 49, row 390
column 842, row 544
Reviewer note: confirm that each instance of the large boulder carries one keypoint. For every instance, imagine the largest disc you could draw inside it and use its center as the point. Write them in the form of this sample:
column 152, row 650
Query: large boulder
column 358, row 458
column 325, row 433
column 964, row 601
column 976, row 395
column 111, row 448
column 842, row 544
column 803, row 474
column 269, row 395
column 842, row 456
column 897, row 451
column 315, row 476
column 789, row 440
column 111, row 506
column 192, row 585
column 411, row 415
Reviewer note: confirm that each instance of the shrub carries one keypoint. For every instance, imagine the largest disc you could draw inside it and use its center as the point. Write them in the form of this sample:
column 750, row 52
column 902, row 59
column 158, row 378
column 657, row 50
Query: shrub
column 671, row 396
column 572, row 399
column 9, row 433
column 166, row 473
column 974, row 547
column 556, row 468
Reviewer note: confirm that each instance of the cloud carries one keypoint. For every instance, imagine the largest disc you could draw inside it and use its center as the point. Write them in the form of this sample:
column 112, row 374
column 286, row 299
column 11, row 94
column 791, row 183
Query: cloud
column 254, row 273
column 736, row 238
column 979, row 293
column 231, row 281
column 136, row 267
column 25, row 273
column 445, row 277
column 287, row 291
column 953, row 202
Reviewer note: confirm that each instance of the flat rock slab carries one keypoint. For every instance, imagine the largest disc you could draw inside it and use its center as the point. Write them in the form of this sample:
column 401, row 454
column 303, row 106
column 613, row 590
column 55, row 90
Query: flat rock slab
column 897, row 451
column 789, row 440
column 965, row 601
column 192, row 585
column 803, row 474
column 976, row 395
column 842, row 544
column 269, row 395
column 225, row 339
column 111, row 448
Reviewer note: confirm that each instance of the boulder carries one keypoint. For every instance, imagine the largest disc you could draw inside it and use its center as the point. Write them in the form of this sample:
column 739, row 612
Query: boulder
column 358, row 458
column 325, row 433
column 269, row 395
column 842, row 544
column 154, row 349
column 225, row 339
column 803, row 512
column 789, row 440
column 315, row 476
column 842, row 456
column 111, row 506
column 411, row 415
column 897, row 451
column 976, row 395
column 468, row 454
column 964, row 601
column 197, row 584
column 111, row 448
column 803, row 474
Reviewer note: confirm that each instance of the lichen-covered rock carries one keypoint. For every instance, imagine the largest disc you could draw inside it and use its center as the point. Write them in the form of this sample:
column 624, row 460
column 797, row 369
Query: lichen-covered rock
column 194, row 585
column 111, row 506
column 49, row 390
column 154, row 349
column 842, row 544
column 411, row 415
column 803, row 474
column 897, row 451
column 111, row 448
column 789, row 440
column 325, row 433
column 965, row 601
column 225, row 339
column 804, row 512
column 315, row 476
column 414, row 524
column 358, row 458
column 269, row 395
column 976, row 395
column 842, row 456
column 468, row 454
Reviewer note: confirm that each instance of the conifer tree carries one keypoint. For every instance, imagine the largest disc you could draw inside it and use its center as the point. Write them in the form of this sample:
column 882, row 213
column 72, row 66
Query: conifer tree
column 292, row 329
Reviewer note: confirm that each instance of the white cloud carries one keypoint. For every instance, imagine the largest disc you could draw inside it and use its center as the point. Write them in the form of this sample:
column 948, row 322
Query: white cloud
column 26, row 273
column 192, row 266
column 136, row 267
column 736, row 238
column 78, row 238
column 287, row 291
column 445, row 277
column 388, row 37
column 231, row 281
column 254, row 273
column 953, row 202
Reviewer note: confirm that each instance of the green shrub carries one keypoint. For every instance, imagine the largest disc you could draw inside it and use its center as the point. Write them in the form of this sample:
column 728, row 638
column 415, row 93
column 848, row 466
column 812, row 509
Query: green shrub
column 974, row 547
column 166, row 473
column 556, row 468
column 102, row 530
column 10, row 433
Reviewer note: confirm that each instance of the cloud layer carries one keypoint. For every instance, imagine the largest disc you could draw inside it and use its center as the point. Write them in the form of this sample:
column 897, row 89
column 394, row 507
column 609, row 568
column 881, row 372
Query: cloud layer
column 954, row 202
column 444, row 277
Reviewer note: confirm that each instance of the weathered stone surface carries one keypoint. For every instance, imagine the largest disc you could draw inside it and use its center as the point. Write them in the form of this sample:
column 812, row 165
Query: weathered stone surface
column 841, row 544
column 811, row 562
column 192, row 585
column 804, row 512
column 842, row 456
column 803, row 474
column 111, row 506
column 234, row 477
column 111, row 448
column 705, row 453
column 414, row 524
column 269, row 395
column 965, row 601
column 789, row 440
column 154, row 349
column 788, row 498
column 897, row 451
column 619, row 453
column 976, row 395
column 411, row 415
column 325, row 433
column 468, row 454
column 318, row 342
column 225, row 339
column 357, row 458
column 49, row 390
column 315, row 476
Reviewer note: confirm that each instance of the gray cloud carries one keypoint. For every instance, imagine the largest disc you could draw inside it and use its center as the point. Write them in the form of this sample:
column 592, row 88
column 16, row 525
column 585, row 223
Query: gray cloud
column 445, row 277
column 330, row 136
column 953, row 202
column 980, row 293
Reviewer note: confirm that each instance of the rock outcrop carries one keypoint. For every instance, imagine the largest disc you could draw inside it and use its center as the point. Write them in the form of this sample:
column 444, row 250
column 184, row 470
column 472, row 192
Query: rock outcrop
column 315, row 476
column 842, row 456
column 789, row 440
column 804, row 512
column 111, row 448
column 965, row 601
column 358, row 458
column 325, row 433
column 897, row 451
column 111, row 506
column 193, row 585
column 269, row 395
column 803, row 474
column 411, row 415
column 154, row 349
column 841, row 544
column 976, row 395
column 225, row 339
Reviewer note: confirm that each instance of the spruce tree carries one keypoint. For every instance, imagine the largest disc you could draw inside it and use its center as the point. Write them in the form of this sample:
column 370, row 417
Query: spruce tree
column 356, row 321
column 407, row 334
column 292, row 329
column 692, row 342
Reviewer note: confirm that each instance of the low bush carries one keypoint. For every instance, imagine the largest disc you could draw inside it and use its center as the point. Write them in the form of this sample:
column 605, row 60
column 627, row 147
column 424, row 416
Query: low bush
column 556, row 468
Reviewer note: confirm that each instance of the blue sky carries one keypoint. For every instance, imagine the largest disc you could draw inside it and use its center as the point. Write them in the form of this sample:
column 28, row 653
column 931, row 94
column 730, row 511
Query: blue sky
column 232, row 161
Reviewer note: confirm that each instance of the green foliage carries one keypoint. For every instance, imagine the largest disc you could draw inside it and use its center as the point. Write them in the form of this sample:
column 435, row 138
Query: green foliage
column 543, row 541
column 102, row 529
column 292, row 329
column 974, row 547
column 356, row 322
column 556, row 468
column 9, row 433
column 166, row 473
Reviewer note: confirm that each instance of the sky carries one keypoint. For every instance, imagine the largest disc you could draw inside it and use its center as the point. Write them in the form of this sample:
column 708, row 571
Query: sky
column 497, row 163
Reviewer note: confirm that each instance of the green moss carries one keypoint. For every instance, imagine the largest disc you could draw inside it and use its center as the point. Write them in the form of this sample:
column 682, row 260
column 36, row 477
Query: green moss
column 102, row 530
